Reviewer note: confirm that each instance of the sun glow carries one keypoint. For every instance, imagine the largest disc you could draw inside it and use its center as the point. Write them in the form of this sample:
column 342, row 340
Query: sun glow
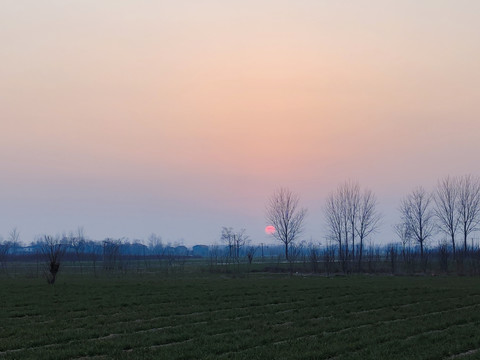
column 270, row 230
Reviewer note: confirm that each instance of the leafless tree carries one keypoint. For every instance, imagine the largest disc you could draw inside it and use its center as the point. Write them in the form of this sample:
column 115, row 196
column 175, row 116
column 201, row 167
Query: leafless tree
column 351, row 191
column 155, row 245
column 240, row 239
column 14, row 236
column 284, row 214
column 313, row 256
column 391, row 256
column 111, row 253
column 468, row 206
column 403, row 232
column 53, row 250
column 443, row 255
column 227, row 237
column 418, row 215
column 447, row 207
column 213, row 255
column 95, row 253
column 334, row 220
column 350, row 215
column 251, row 250
column 368, row 218
column 78, row 243
column 154, row 241
column 234, row 240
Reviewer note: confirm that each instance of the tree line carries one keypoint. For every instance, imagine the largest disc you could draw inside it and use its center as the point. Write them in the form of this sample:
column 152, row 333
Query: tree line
column 450, row 213
column 351, row 217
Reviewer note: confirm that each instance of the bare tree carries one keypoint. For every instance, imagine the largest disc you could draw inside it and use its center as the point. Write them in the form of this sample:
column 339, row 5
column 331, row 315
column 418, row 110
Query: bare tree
column 53, row 250
column 234, row 240
column 368, row 218
column 111, row 254
column 251, row 250
column 418, row 215
column 351, row 191
column 240, row 239
column 468, row 206
column 446, row 207
column 227, row 237
column 350, row 215
column 95, row 251
column 155, row 245
column 403, row 232
column 213, row 255
column 78, row 243
column 14, row 237
column 284, row 214
column 334, row 220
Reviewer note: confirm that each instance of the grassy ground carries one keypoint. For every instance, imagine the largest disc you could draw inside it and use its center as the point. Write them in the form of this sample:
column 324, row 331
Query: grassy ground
column 257, row 316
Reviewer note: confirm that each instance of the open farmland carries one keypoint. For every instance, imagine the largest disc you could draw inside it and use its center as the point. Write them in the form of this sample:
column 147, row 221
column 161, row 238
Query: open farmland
column 257, row 316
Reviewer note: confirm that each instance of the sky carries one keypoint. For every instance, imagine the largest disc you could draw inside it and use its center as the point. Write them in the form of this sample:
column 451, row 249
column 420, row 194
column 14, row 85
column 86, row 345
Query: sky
column 179, row 117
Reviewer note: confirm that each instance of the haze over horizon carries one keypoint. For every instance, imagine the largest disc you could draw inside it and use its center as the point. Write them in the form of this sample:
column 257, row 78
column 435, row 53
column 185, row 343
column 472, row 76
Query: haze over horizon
column 180, row 117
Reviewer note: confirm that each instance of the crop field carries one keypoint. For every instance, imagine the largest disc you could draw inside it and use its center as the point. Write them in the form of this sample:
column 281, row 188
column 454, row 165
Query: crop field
column 257, row 316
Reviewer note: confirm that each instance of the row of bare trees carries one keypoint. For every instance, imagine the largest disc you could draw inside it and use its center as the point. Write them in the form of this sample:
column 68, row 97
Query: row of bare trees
column 453, row 209
column 351, row 216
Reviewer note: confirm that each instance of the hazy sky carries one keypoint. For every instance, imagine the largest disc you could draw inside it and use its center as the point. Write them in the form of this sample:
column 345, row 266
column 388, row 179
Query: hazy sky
column 180, row 117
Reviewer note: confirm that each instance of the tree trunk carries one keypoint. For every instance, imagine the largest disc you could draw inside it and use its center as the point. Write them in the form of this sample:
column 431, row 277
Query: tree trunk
column 453, row 245
column 360, row 254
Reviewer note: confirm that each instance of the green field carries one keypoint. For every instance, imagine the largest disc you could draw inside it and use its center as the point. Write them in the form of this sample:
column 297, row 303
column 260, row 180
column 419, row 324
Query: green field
column 257, row 316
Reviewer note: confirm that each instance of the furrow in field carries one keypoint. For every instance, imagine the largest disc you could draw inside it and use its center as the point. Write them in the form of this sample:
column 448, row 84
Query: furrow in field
column 340, row 331
column 220, row 310
column 466, row 353
column 411, row 337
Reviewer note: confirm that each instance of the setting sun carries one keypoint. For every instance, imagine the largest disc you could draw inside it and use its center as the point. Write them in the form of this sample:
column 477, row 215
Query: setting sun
column 270, row 230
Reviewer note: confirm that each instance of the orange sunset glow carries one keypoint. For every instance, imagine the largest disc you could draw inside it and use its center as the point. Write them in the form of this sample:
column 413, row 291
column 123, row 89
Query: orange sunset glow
column 181, row 117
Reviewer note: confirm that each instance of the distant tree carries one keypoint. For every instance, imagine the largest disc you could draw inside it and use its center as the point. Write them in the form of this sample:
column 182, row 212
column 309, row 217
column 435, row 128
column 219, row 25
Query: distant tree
column 313, row 253
column 53, row 250
column 335, row 221
column 443, row 255
column 341, row 213
column 95, row 250
column 446, row 197
column 213, row 255
column 227, row 237
column 468, row 206
column 351, row 214
column 111, row 253
column 78, row 243
column 284, row 214
column 14, row 237
column 402, row 230
column 241, row 239
column 351, row 192
column 235, row 240
column 418, row 215
column 155, row 242
column 368, row 218
column 155, row 246
column 251, row 250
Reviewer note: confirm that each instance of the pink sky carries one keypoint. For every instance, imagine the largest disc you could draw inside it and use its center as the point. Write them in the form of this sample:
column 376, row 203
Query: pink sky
column 180, row 117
